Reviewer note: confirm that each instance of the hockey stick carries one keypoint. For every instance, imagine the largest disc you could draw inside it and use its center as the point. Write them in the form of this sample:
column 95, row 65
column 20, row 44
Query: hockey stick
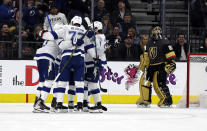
column 68, row 60
column 48, row 19
column 69, row 57
column 97, row 68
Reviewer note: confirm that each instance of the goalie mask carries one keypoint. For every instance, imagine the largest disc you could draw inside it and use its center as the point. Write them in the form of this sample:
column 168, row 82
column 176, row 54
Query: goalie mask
column 76, row 20
column 157, row 33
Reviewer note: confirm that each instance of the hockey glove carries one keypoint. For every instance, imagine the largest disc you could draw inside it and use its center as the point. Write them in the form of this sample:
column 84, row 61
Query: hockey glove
column 41, row 33
column 90, row 34
column 170, row 67
column 79, row 42
column 88, row 22
column 98, row 64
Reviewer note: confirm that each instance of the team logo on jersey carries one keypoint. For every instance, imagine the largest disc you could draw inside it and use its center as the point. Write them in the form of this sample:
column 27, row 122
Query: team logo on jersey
column 153, row 52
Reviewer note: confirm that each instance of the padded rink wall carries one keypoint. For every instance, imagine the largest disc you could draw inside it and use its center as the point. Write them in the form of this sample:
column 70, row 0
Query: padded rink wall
column 19, row 80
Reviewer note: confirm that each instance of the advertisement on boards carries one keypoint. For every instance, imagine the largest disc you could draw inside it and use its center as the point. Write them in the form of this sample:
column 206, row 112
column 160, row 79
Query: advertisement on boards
column 21, row 77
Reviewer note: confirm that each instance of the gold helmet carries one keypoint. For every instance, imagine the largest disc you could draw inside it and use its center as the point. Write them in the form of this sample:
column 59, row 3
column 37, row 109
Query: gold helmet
column 156, row 32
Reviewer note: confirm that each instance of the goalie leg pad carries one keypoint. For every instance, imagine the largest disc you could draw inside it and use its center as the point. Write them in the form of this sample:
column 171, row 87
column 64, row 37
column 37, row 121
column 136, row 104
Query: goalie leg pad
column 157, row 88
column 145, row 91
column 162, row 91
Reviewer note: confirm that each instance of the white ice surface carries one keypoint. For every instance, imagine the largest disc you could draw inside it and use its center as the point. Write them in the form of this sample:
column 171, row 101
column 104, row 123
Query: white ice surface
column 19, row 117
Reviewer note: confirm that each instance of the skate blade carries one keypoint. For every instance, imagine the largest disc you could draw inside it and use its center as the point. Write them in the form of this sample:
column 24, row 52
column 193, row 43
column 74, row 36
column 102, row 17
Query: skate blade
column 96, row 111
column 40, row 111
column 61, row 111
column 163, row 106
column 142, row 106
column 85, row 109
column 52, row 110
column 70, row 110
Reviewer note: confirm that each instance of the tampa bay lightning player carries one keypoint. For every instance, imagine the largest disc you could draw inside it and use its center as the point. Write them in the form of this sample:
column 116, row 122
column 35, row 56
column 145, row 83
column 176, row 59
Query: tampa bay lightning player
column 72, row 33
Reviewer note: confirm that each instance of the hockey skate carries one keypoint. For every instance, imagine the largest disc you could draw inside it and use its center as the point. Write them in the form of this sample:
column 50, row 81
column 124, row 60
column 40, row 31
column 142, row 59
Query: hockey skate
column 97, row 108
column 53, row 104
column 71, row 106
column 79, row 106
column 165, row 103
column 143, row 105
column 35, row 103
column 85, row 106
column 60, row 108
column 40, row 107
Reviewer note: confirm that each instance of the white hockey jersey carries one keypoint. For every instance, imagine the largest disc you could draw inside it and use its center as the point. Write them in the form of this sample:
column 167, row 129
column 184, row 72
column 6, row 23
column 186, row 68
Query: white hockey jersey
column 69, row 34
column 60, row 18
column 49, row 50
column 100, row 42
column 58, row 59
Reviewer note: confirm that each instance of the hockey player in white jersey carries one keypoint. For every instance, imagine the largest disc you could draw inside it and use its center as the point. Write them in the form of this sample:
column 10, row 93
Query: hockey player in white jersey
column 93, row 69
column 45, row 57
column 56, row 70
column 55, row 18
column 73, row 34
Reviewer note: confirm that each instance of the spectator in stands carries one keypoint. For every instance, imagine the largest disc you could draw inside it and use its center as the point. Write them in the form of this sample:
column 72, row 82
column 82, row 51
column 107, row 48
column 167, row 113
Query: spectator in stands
column 55, row 17
column 109, row 5
column 107, row 26
column 114, row 41
column 116, row 36
column 36, row 38
column 203, row 47
column 32, row 16
column 79, row 7
column 7, row 43
column 100, row 11
column 197, row 19
column 36, row 31
column 7, row 12
column 128, row 23
column 129, row 51
column 181, row 48
column 132, row 33
column 144, row 41
column 62, row 5
column 118, row 14
column 42, row 5
column 27, row 45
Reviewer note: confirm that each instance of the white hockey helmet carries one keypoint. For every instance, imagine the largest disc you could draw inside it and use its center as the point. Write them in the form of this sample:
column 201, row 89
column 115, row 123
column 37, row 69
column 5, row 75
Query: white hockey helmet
column 97, row 25
column 76, row 20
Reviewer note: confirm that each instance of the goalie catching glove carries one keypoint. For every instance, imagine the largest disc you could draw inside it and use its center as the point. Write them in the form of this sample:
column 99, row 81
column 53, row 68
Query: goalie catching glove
column 170, row 67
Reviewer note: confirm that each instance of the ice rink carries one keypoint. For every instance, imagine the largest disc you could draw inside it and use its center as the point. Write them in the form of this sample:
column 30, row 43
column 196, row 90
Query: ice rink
column 19, row 117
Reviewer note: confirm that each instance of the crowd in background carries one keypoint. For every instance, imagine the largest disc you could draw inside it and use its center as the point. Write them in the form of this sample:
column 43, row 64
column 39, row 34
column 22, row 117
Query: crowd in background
column 124, row 41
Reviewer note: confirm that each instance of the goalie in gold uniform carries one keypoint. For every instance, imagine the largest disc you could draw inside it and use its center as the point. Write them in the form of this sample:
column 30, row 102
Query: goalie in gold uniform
column 158, row 61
